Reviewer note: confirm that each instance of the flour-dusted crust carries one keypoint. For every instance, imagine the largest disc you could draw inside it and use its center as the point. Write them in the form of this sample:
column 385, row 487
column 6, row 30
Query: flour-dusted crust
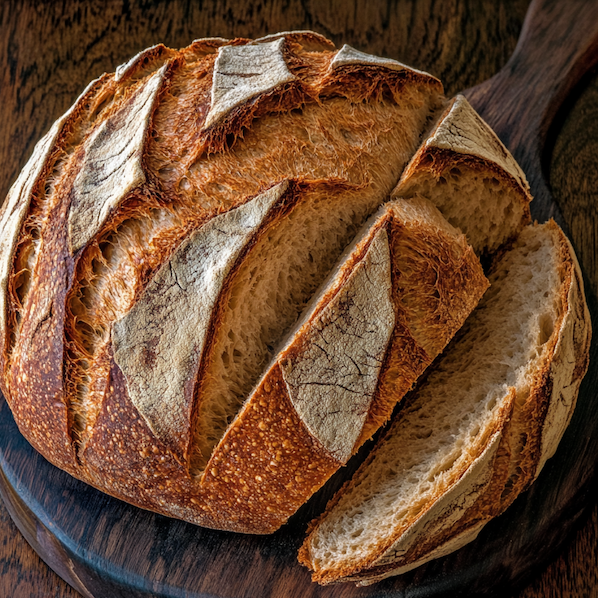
column 146, row 58
column 111, row 167
column 243, row 72
column 309, row 40
column 158, row 344
column 463, row 131
column 331, row 377
column 348, row 56
column 346, row 361
column 16, row 205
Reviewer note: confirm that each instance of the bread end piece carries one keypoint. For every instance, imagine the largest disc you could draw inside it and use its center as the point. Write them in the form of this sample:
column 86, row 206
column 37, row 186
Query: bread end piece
column 471, row 177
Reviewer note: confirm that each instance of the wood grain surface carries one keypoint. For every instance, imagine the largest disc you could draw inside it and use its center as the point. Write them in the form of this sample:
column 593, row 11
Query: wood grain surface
column 49, row 51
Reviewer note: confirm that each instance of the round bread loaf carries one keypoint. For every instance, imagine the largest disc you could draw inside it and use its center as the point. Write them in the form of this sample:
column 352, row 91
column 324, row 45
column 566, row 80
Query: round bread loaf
column 182, row 286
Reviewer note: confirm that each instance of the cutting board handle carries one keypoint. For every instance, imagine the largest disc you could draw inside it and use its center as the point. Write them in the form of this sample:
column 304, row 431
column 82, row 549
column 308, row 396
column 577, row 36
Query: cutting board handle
column 557, row 46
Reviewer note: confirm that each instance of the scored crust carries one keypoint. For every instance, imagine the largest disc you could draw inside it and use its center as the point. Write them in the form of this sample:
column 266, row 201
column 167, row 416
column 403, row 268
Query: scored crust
column 145, row 159
column 111, row 166
column 466, row 171
column 159, row 342
column 348, row 360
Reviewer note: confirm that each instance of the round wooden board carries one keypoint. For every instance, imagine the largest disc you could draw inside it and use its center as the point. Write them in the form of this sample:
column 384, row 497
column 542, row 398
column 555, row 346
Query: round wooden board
column 104, row 547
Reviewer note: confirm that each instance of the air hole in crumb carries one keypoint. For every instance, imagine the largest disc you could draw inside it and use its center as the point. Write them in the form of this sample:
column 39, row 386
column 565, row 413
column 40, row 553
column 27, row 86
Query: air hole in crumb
column 427, row 160
column 546, row 328
column 102, row 105
column 107, row 249
column 185, row 184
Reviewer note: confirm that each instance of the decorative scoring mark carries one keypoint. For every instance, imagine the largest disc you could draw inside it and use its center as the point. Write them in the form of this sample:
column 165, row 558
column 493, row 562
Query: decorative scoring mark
column 463, row 131
column 243, row 72
column 310, row 40
column 18, row 200
column 349, row 56
column 159, row 342
column 111, row 166
column 123, row 69
column 332, row 379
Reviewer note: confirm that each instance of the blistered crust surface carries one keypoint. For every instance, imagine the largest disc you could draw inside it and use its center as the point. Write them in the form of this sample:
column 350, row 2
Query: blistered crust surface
column 331, row 378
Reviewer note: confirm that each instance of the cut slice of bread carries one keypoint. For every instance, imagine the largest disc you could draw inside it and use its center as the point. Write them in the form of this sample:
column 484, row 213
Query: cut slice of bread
column 401, row 291
column 477, row 431
column 467, row 173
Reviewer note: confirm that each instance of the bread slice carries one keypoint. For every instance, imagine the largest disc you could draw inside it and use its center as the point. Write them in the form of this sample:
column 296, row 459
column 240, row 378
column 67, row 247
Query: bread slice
column 401, row 291
column 476, row 433
column 467, row 173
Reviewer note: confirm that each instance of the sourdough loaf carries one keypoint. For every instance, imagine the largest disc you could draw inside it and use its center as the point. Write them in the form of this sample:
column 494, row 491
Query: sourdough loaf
column 203, row 309
column 166, row 235
column 479, row 429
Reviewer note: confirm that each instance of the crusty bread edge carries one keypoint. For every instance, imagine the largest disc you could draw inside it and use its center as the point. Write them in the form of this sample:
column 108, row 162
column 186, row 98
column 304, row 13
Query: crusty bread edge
column 573, row 339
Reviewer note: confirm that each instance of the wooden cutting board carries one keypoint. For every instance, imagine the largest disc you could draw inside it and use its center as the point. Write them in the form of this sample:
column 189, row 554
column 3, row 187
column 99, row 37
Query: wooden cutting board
column 106, row 548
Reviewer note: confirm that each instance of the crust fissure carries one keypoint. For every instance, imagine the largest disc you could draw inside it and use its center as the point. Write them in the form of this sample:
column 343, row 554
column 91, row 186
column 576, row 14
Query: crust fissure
column 332, row 375
column 112, row 163
column 111, row 273
column 30, row 201
column 159, row 342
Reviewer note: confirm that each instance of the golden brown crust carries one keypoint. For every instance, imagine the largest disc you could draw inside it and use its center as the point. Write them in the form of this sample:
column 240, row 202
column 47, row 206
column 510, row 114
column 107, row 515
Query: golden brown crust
column 144, row 63
column 41, row 342
column 462, row 156
column 62, row 355
column 121, row 441
column 44, row 194
column 268, row 460
column 284, row 463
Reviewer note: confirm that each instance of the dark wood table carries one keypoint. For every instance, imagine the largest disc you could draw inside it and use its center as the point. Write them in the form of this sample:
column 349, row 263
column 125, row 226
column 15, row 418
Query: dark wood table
column 49, row 51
